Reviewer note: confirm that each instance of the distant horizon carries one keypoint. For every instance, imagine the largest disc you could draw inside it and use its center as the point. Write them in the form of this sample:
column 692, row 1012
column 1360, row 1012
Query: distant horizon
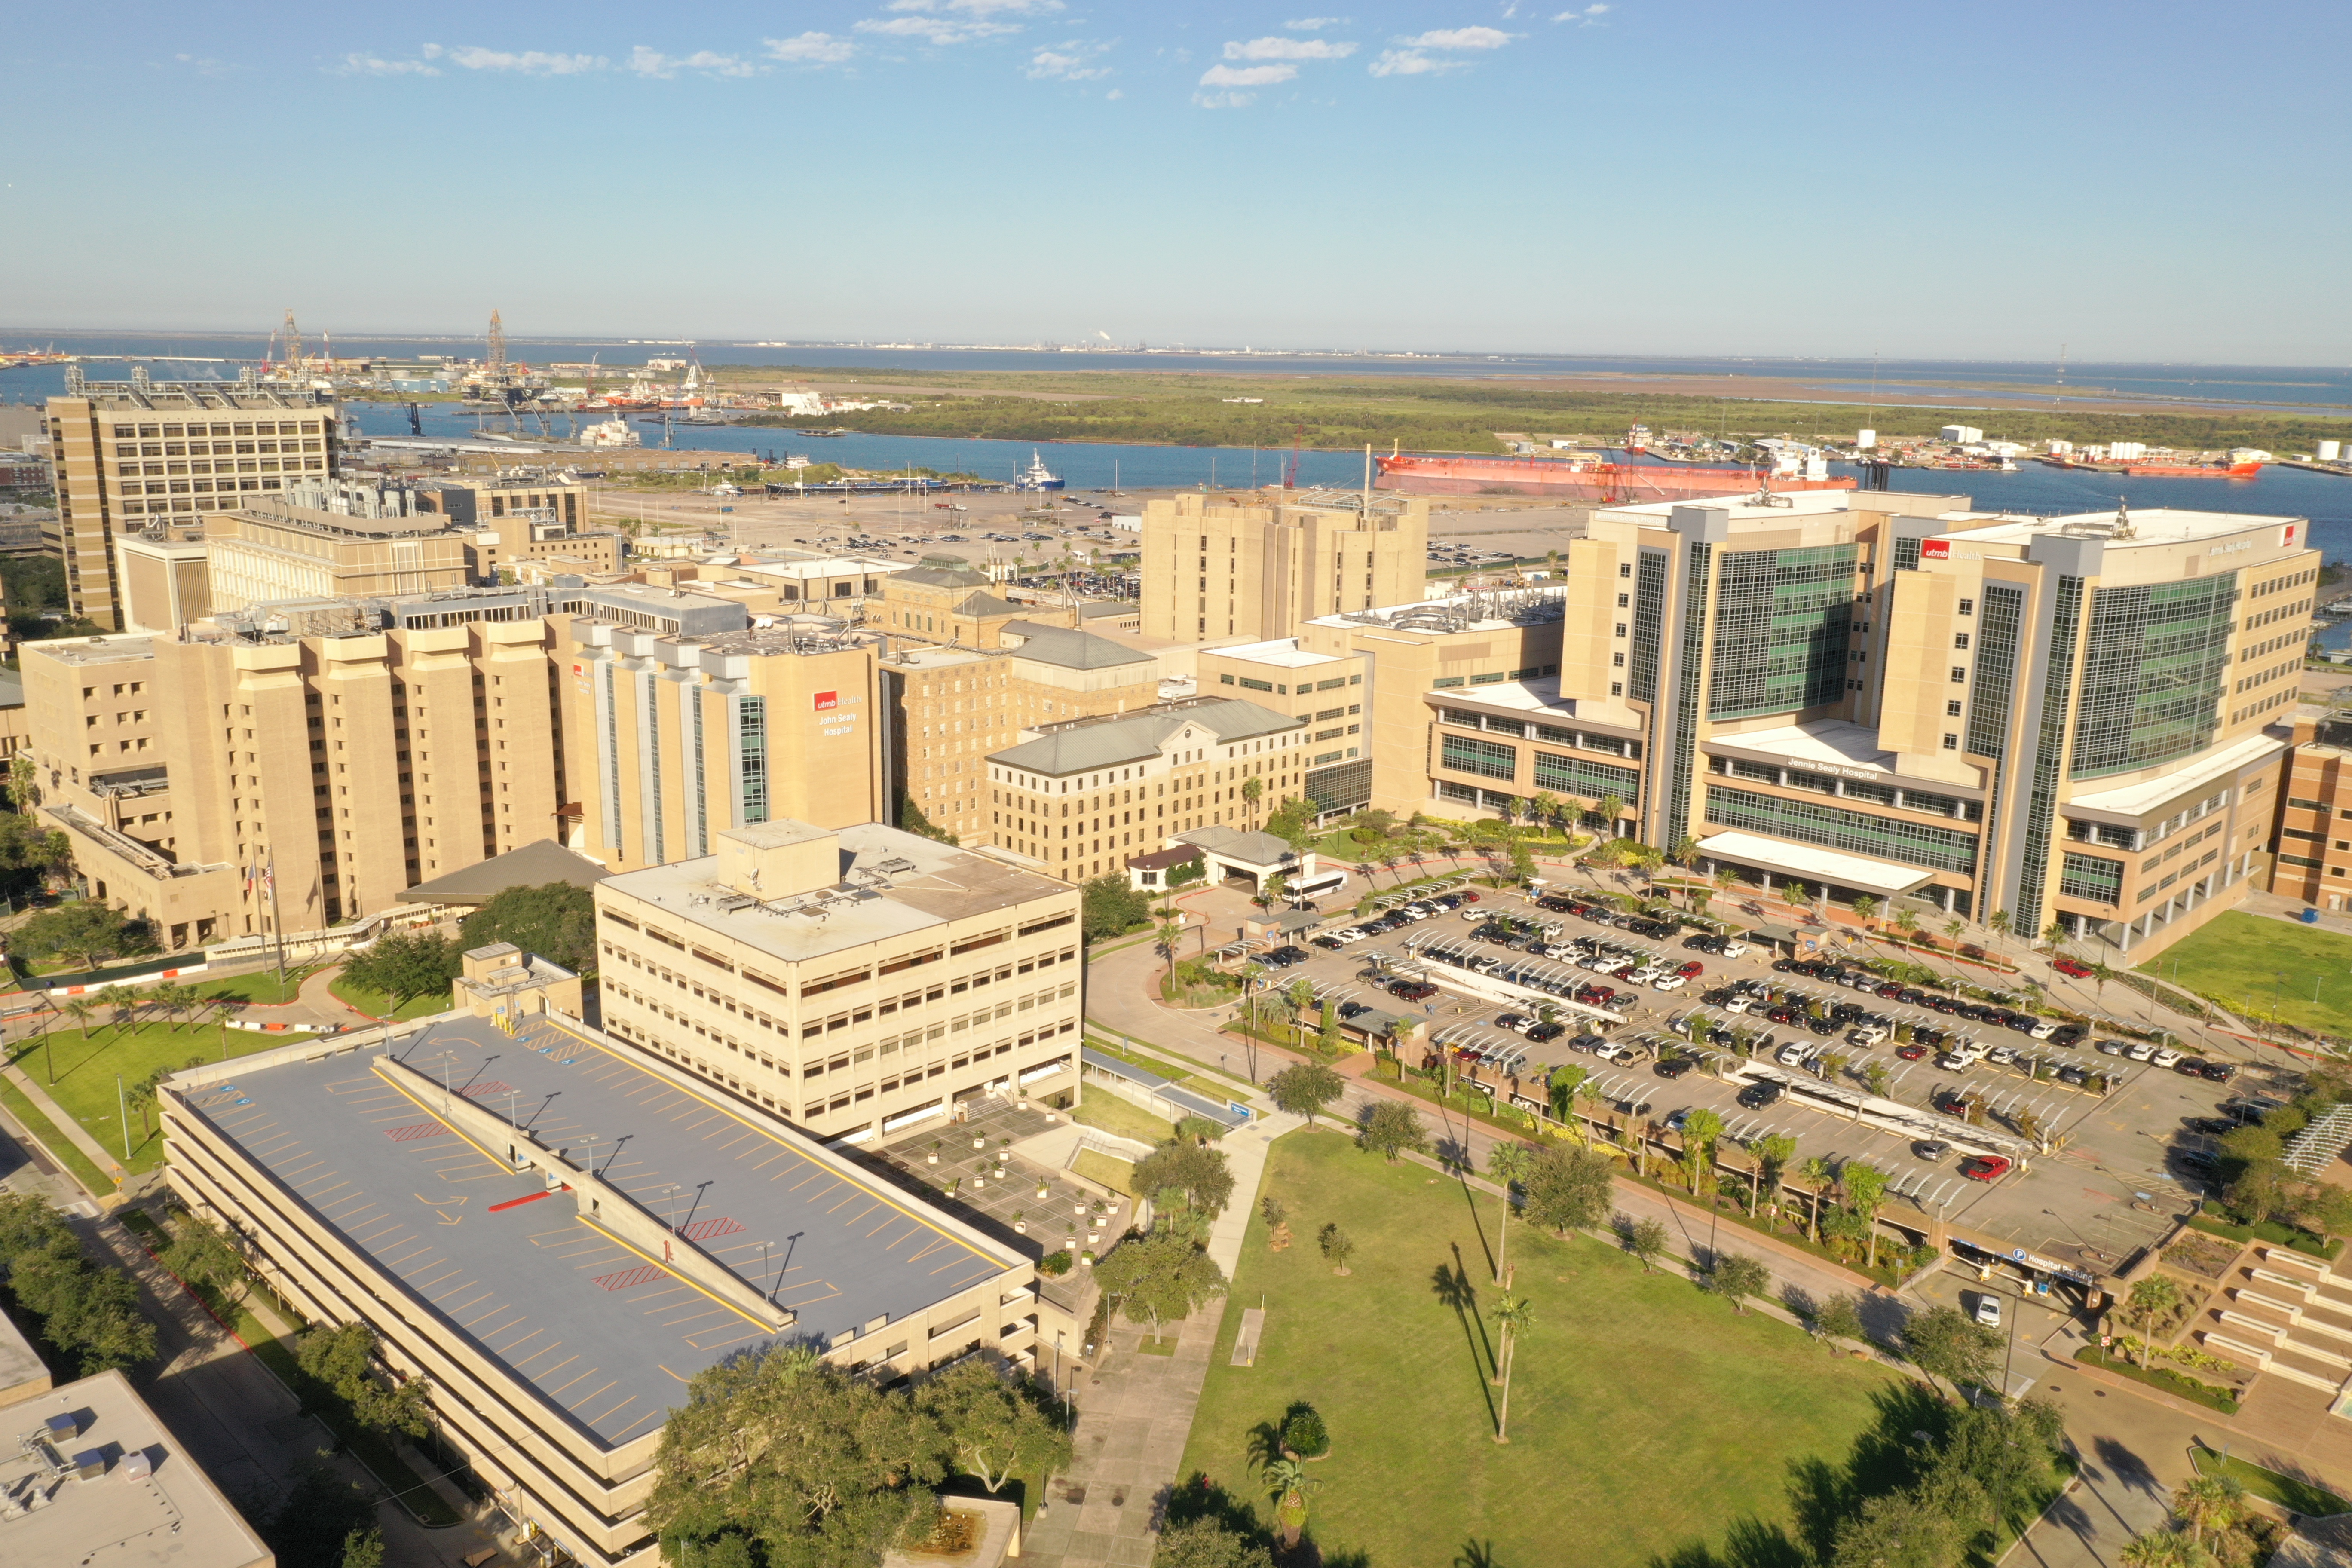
column 10, row 336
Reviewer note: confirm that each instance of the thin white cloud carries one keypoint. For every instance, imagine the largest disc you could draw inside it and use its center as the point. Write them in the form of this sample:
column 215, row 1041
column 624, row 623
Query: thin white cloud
column 941, row 30
column 1411, row 62
column 1247, row 76
column 1115, row 94
column 1459, row 38
column 654, row 63
column 978, row 7
column 1310, row 23
column 373, row 65
column 527, row 62
column 1590, row 16
column 810, row 49
column 1289, row 49
column 1073, row 61
column 1224, row 99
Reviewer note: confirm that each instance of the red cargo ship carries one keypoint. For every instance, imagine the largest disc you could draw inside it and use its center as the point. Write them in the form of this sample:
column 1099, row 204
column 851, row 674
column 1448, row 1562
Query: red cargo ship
column 1582, row 478
column 2193, row 470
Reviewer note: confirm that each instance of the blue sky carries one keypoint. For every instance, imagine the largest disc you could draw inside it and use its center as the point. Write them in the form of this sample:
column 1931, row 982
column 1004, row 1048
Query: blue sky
column 2145, row 181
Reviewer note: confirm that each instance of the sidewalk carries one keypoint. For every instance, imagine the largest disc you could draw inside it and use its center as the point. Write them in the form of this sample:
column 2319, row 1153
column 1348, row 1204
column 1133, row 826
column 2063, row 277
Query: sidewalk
column 1135, row 1410
column 92, row 1150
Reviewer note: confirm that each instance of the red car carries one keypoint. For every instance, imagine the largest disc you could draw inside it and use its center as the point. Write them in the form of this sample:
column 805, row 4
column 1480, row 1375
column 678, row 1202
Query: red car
column 1984, row 1167
column 1691, row 970
column 2068, row 967
column 1910, row 1053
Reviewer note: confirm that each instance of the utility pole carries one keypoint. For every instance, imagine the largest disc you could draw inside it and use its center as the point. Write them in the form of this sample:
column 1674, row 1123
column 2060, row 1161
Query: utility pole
column 122, row 1104
column 276, row 925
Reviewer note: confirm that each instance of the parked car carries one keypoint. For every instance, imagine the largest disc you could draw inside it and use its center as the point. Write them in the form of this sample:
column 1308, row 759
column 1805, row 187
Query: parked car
column 1930, row 1149
column 2069, row 966
column 1987, row 1311
column 1985, row 1167
column 1412, row 990
column 1912, row 1052
column 1518, row 1023
column 1757, row 1096
column 1539, row 1033
column 1673, row 1069
column 2220, row 1072
column 1283, row 956
column 2166, row 1057
column 2075, row 1076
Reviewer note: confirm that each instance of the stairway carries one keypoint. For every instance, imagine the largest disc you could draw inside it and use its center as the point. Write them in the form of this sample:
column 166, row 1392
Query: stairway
column 2290, row 1315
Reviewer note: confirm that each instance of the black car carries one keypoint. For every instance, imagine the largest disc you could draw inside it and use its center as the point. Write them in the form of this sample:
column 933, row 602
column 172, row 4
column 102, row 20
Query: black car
column 1673, row 1069
column 1286, row 956
column 1332, row 943
column 2198, row 1160
column 1542, row 1032
column 2212, row 1126
column 2220, row 1072
column 1757, row 1096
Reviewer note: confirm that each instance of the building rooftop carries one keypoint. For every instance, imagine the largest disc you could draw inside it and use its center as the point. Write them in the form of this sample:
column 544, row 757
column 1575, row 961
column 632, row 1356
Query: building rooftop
column 2136, row 799
column 1829, row 742
column 1478, row 609
column 1283, row 652
column 1537, row 697
column 1088, row 743
column 1814, row 867
column 2158, row 526
column 606, row 1332
column 1069, row 648
column 1247, row 848
column 892, row 884
column 111, row 1487
column 533, row 866
column 92, row 650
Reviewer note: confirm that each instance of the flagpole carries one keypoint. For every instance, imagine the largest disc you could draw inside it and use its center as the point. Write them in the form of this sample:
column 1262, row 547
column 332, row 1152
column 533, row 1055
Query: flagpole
column 276, row 925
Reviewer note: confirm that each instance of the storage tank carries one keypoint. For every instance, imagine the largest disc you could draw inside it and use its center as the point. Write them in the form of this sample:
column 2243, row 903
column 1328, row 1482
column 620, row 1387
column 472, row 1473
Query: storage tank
column 1866, row 440
column 2329, row 451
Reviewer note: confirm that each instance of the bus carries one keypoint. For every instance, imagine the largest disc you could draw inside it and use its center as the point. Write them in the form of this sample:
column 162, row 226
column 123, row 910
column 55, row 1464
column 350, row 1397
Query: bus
column 1321, row 885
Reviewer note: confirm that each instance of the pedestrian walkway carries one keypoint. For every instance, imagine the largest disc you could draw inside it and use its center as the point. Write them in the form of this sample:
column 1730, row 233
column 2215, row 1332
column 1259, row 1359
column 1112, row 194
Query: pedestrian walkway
column 63, row 1120
column 1135, row 1410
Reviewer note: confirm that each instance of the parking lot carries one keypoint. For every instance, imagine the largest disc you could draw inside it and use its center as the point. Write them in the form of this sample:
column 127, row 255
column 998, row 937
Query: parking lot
column 2124, row 1163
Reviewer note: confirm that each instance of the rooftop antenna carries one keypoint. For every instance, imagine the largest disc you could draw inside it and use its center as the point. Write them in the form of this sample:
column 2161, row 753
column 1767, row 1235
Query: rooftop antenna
column 2123, row 519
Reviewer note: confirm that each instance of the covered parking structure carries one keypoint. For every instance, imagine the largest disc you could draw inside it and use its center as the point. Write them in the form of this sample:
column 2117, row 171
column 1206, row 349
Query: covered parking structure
column 1825, row 872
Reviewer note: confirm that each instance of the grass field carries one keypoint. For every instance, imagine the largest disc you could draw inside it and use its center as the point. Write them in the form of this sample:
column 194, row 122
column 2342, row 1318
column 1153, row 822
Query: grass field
column 88, row 1060
column 1646, row 1419
column 1100, row 1108
column 375, row 1004
column 2264, row 968
column 2287, row 1491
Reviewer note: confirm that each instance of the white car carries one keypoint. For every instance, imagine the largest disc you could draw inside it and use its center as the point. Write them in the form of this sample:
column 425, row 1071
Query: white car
column 1670, row 982
column 1733, row 950
column 1868, row 1035
column 1610, row 1051
column 2002, row 1055
column 1474, row 913
column 1792, row 1054
column 2166, row 1057
column 2111, row 1047
column 1739, row 1004
column 1989, row 1311
column 2043, row 1030
column 2141, row 1052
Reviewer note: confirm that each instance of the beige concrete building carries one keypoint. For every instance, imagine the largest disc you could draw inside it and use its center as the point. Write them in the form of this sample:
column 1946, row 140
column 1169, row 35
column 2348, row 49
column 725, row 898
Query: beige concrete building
column 794, row 970
column 2063, row 720
column 1078, row 799
column 615, row 1224
column 94, row 1478
column 166, row 582
column 128, row 453
column 485, row 500
column 1259, row 564
column 276, row 549
column 676, row 734
column 2312, row 852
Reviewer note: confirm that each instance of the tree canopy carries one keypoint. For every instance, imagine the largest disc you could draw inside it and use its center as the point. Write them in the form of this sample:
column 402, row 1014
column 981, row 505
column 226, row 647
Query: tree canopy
column 1944, row 1343
column 1390, row 1128
column 554, row 920
column 1568, row 1189
column 89, row 1311
column 1159, row 1277
column 402, row 964
column 1306, row 1088
column 1108, row 907
column 1182, row 1173
column 82, row 933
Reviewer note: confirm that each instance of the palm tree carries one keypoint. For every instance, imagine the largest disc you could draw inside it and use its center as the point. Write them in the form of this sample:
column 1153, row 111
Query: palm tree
column 1508, row 1162
column 1287, row 1481
column 1608, row 808
column 1513, row 1315
column 1253, row 791
column 1794, row 894
column 1999, row 922
column 23, row 792
column 1170, row 929
column 1685, row 851
column 1817, row 1173
column 2055, row 936
column 2151, row 1296
column 1701, row 1128
column 2159, row 1548
column 1772, row 1157
column 1907, row 921
column 81, row 1010
column 2100, row 974
column 1725, row 880
column 1866, row 908
column 1953, row 927
column 1545, row 808
column 123, row 999
column 2209, row 1502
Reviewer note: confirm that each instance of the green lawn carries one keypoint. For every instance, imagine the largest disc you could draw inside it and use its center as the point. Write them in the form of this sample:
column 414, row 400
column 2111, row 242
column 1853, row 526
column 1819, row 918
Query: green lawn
column 87, row 1063
column 2261, row 968
column 1646, row 1418
column 1100, row 1108
column 2287, row 1491
column 375, row 1004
